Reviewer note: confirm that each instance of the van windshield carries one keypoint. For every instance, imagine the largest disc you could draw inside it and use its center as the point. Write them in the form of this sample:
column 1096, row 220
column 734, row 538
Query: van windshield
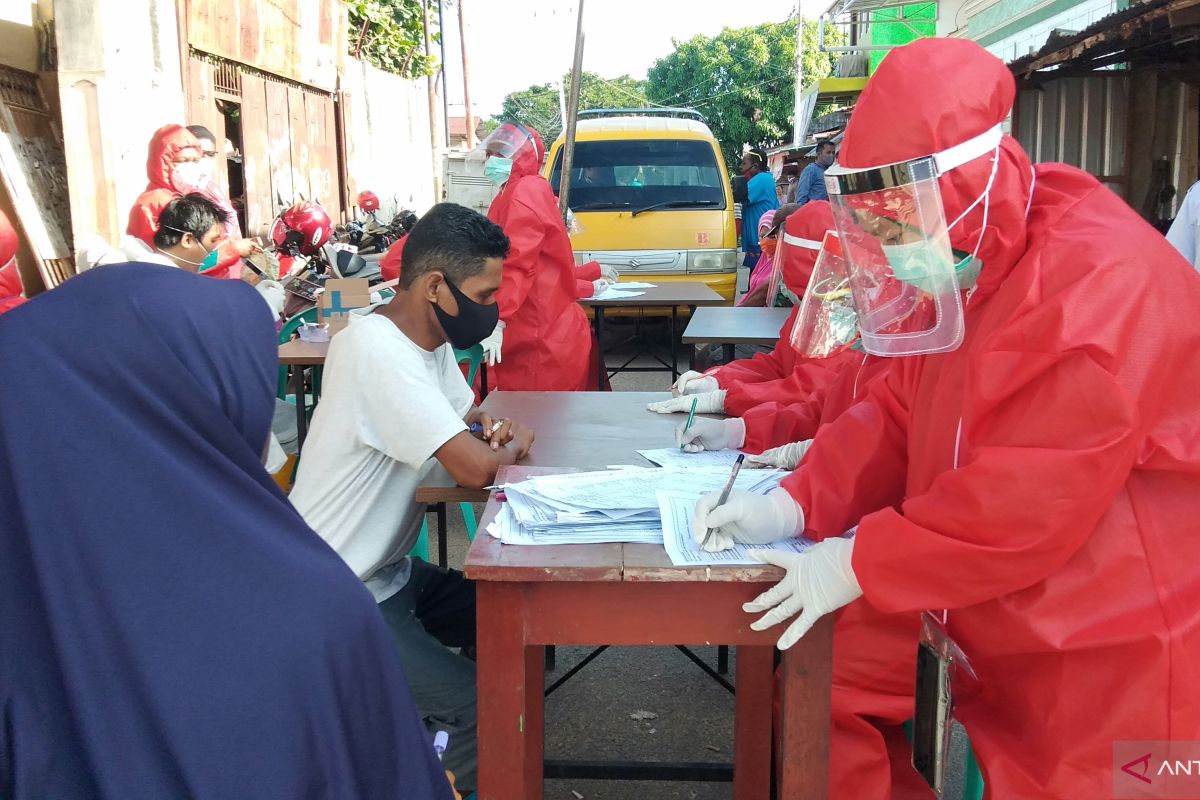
column 672, row 173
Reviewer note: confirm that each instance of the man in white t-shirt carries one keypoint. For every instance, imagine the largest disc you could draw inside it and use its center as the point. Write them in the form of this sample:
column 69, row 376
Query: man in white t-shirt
column 395, row 412
column 1183, row 232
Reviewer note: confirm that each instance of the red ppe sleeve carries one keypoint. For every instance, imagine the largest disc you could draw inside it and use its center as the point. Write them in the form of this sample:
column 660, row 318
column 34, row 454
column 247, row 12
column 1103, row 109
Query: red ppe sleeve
column 389, row 265
column 857, row 463
column 773, row 424
column 588, row 272
column 1038, row 483
column 584, row 289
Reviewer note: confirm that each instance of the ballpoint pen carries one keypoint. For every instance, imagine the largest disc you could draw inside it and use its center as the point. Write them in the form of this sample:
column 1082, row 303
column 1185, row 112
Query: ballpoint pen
column 737, row 467
column 691, row 416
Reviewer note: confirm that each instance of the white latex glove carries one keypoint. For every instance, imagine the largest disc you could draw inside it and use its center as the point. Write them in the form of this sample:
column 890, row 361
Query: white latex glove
column 707, row 403
column 711, row 434
column 787, row 456
column 492, row 344
column 598, row 286
column 747, row 518
column 273, row 293
column 692, row 382
column 609, row 273
column 818, row 581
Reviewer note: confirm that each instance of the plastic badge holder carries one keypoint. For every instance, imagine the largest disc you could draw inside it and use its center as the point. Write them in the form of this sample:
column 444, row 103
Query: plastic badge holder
column 314, row 334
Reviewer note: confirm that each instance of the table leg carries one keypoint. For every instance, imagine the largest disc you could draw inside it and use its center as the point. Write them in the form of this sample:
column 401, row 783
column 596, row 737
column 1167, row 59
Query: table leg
column 441, row 534
column 674, row 344
column 509, row 687
column 301, row 416
column 729, row 352
column 804, row 714
column 602, row 373
column 752, row 723
column 483, row 387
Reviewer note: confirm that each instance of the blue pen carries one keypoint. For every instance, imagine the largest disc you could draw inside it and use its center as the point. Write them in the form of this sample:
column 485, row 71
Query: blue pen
column 691, row 415
column 476, row 427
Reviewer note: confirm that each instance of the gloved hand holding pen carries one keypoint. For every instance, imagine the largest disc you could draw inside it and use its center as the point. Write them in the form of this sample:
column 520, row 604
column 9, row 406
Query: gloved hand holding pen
column 711, row 434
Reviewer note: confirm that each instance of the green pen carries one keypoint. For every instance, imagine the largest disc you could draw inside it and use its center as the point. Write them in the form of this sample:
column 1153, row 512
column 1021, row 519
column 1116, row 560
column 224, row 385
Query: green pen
column 691, row 415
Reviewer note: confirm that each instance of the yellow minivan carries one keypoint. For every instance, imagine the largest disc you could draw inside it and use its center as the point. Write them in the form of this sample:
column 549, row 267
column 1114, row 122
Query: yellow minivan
column 651, row 196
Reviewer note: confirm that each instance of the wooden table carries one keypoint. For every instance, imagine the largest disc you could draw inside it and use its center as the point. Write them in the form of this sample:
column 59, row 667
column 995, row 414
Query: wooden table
column 583, row 430
column 735, row 325
column 664, row 295
column 298, row 355
column 631, row 594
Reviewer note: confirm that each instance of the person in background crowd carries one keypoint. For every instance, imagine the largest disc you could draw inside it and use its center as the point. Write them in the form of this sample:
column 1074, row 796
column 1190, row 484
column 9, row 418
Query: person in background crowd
column 190, row 229
column 770, row 228
column 1183, row 229
column 10, row 278
column 173, row 168
column 811, row 185
column 760, row 198
column 208, row 185
column 210, row 645
column 396, row 412
column 543, row 341
column 1028, row 468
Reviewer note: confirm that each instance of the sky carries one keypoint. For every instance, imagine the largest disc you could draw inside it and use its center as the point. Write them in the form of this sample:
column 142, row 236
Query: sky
column 516, row 44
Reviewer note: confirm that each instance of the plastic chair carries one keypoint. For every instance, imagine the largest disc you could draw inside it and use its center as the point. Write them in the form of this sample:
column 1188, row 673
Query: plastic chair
column 285, row 336
column 972, row 776
column 473, row 357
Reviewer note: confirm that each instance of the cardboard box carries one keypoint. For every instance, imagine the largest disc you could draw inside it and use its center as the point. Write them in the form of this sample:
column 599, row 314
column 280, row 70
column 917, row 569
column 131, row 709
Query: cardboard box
column 341, row 296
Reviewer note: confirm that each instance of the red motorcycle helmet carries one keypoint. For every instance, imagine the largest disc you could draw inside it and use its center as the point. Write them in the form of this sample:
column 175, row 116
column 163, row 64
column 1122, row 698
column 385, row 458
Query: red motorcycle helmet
column 303, row 228
column 368, row 201
column 8, row 241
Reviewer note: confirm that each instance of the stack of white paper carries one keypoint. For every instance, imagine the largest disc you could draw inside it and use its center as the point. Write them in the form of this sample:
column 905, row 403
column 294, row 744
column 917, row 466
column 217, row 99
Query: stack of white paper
column 617, row 505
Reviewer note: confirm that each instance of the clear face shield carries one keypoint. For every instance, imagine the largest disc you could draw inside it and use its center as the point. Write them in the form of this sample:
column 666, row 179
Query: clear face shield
column 504, row 142
column 827, row 321
column 906, row 281
column 790, row 249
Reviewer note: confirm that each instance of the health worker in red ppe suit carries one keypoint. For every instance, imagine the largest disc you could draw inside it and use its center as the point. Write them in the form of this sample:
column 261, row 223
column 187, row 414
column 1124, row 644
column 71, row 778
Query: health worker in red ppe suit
column 1028, row 470
column 543, row 341
column 783, row 374
column 10, row 279
column 173, row 168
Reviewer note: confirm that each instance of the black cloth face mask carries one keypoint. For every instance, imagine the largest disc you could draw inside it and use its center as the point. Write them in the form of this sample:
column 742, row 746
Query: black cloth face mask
column 474, row 322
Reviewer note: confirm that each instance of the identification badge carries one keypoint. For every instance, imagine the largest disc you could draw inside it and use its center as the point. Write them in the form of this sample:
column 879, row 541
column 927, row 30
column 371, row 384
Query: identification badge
column 938, row 661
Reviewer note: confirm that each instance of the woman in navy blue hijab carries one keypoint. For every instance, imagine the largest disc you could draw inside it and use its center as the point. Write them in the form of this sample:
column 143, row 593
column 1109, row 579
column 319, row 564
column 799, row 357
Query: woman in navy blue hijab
column 169, row 626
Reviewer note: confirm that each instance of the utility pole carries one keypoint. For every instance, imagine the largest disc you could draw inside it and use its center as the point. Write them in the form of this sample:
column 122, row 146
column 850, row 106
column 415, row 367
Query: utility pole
column 432, row 92
column 796, row 121
column 564, row 186
column 462, row 40
column 442, row 74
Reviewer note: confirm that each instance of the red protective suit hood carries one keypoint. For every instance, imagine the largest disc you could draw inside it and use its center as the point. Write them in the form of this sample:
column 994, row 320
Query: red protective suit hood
column 973, row 93
column 528, row 160
column 810, row 222
column 165, row 145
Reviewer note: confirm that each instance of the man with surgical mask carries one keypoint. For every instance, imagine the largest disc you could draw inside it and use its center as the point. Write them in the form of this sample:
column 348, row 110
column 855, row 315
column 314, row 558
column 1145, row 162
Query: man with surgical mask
column 1025, row 478
column 396, row 412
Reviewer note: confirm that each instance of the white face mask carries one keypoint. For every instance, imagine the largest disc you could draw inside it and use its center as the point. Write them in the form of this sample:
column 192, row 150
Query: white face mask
column 206, row 170
column 187, row 176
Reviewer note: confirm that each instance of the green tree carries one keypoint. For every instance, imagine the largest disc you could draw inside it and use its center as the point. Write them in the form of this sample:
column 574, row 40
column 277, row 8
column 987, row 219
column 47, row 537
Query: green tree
column 389, row 34
column 538, row 105
column 743, row 80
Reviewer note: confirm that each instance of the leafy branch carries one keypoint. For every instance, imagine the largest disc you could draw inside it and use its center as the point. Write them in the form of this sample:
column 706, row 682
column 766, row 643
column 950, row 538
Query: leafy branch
column 389, row 34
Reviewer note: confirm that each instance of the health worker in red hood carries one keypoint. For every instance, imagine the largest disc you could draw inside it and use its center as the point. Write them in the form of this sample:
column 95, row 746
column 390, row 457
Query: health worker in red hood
column 543, row 341
column 173, row 168
column 1028, row 469
column 10, row 279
